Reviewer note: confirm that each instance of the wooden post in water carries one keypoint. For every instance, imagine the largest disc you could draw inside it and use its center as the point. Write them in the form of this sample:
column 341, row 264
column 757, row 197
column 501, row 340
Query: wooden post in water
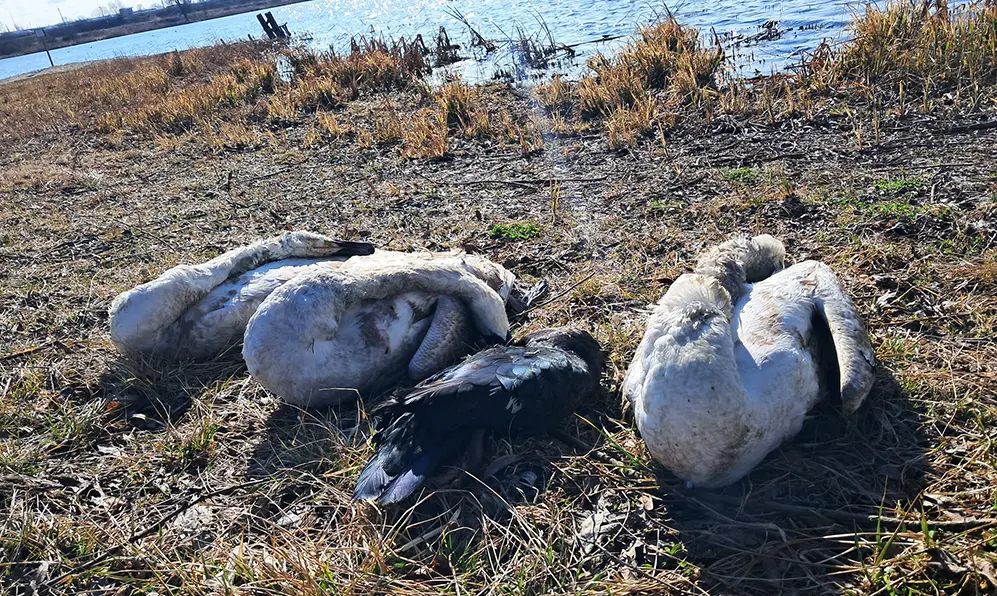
column 41, row 34
column 266, row 27
column 274, row 26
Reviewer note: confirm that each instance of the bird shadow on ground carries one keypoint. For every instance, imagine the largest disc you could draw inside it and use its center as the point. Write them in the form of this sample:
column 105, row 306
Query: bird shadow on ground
column 316, row 455
column 805, row 519
column 155, row 395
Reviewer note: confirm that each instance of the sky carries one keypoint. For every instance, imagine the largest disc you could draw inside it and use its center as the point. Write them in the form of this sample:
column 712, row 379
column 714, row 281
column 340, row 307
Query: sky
column 39, row 13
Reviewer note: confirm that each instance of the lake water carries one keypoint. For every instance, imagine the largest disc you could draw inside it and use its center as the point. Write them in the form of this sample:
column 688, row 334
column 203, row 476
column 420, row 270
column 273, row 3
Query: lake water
column 803, row 24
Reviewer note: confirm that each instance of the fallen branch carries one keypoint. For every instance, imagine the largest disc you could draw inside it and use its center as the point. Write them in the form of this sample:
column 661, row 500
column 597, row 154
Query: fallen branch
column 533, row 181
column 971, row 127
column 527, row 182
column 25, row 352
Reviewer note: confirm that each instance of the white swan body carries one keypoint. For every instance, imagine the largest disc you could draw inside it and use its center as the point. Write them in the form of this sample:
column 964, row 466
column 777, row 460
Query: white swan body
column 716, row 384
column 334, row 334
column 198, row 311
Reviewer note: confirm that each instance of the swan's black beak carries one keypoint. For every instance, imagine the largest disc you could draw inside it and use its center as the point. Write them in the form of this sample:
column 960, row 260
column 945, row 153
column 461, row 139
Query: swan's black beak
column 492, row 339
column 346, row 248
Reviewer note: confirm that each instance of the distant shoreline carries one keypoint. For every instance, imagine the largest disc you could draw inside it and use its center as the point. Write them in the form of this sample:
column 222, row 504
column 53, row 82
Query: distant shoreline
column 136, row 23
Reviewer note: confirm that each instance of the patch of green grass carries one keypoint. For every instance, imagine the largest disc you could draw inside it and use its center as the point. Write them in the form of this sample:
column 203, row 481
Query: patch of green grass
column 745, row 176
column 515, row 231
column 897, row 186
column 897, row 209
column 17, row 458
column 72, row 426
column 199, row 443
column 899, row 348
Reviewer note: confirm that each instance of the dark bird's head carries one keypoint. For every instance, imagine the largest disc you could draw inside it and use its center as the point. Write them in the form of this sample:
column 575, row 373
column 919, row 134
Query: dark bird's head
column 570, row 339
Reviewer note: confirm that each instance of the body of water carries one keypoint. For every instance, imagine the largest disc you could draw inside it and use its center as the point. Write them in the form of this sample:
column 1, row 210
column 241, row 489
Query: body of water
column 802, row 24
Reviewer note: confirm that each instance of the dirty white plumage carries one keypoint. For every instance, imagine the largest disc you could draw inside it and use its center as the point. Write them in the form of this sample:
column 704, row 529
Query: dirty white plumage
column 198, row 311
column 334, row 334
column 736, row 354
column 393, row 313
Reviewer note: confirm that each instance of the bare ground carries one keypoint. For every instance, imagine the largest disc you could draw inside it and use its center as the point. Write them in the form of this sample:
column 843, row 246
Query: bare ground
column 116, row 480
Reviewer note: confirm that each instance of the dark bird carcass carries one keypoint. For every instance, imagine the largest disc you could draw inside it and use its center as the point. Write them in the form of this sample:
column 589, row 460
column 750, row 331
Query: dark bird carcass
column 527, row 388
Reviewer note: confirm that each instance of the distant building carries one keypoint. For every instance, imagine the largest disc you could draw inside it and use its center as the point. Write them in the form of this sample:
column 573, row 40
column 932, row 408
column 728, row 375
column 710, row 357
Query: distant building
column 125, row 12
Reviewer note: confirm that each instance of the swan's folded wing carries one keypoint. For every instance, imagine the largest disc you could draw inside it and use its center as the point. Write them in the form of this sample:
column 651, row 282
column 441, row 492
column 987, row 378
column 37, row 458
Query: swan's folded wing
column 856, row 363
column 691, row 299
column 526, row 389
column 144, row 319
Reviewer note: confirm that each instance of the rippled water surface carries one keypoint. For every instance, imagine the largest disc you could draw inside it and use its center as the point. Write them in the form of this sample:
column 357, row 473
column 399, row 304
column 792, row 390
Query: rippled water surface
column 802, row 23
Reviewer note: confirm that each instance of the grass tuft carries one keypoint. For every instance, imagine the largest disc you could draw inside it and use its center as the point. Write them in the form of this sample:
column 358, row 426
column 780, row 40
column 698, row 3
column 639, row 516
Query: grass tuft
column 515, row 232
column 897, row 186
column 746, row 176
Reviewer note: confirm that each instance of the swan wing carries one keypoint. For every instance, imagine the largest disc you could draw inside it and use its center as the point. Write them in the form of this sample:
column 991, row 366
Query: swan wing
column 501, row 388
column 145, row 319
column 444, row 341
column 856, row 363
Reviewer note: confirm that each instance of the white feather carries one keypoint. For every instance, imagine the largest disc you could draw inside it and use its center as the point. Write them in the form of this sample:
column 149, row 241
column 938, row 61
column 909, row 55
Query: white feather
column 199, row 310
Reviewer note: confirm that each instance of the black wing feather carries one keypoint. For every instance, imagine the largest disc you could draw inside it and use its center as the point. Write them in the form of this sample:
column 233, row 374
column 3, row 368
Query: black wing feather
column 506, row 388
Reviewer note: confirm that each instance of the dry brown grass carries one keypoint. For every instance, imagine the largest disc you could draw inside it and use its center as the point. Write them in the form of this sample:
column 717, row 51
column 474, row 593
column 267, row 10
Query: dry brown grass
column 666, row 66
column 426, row 137
column 903, row 58
column 117, row 479
column 556, row 96
column 924, row 47
column 102, row 94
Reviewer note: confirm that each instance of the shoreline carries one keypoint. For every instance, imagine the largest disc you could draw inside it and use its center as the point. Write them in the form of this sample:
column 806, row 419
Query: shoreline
column 154, row 24
column 59, row 68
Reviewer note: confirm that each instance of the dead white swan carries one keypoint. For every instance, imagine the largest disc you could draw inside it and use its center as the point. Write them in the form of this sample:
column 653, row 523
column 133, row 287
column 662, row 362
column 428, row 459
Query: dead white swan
column 736, row 354
column 335, row 334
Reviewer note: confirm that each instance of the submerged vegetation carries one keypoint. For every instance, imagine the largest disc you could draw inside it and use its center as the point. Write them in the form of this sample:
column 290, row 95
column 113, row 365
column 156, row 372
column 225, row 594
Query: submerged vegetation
column 874, row 156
